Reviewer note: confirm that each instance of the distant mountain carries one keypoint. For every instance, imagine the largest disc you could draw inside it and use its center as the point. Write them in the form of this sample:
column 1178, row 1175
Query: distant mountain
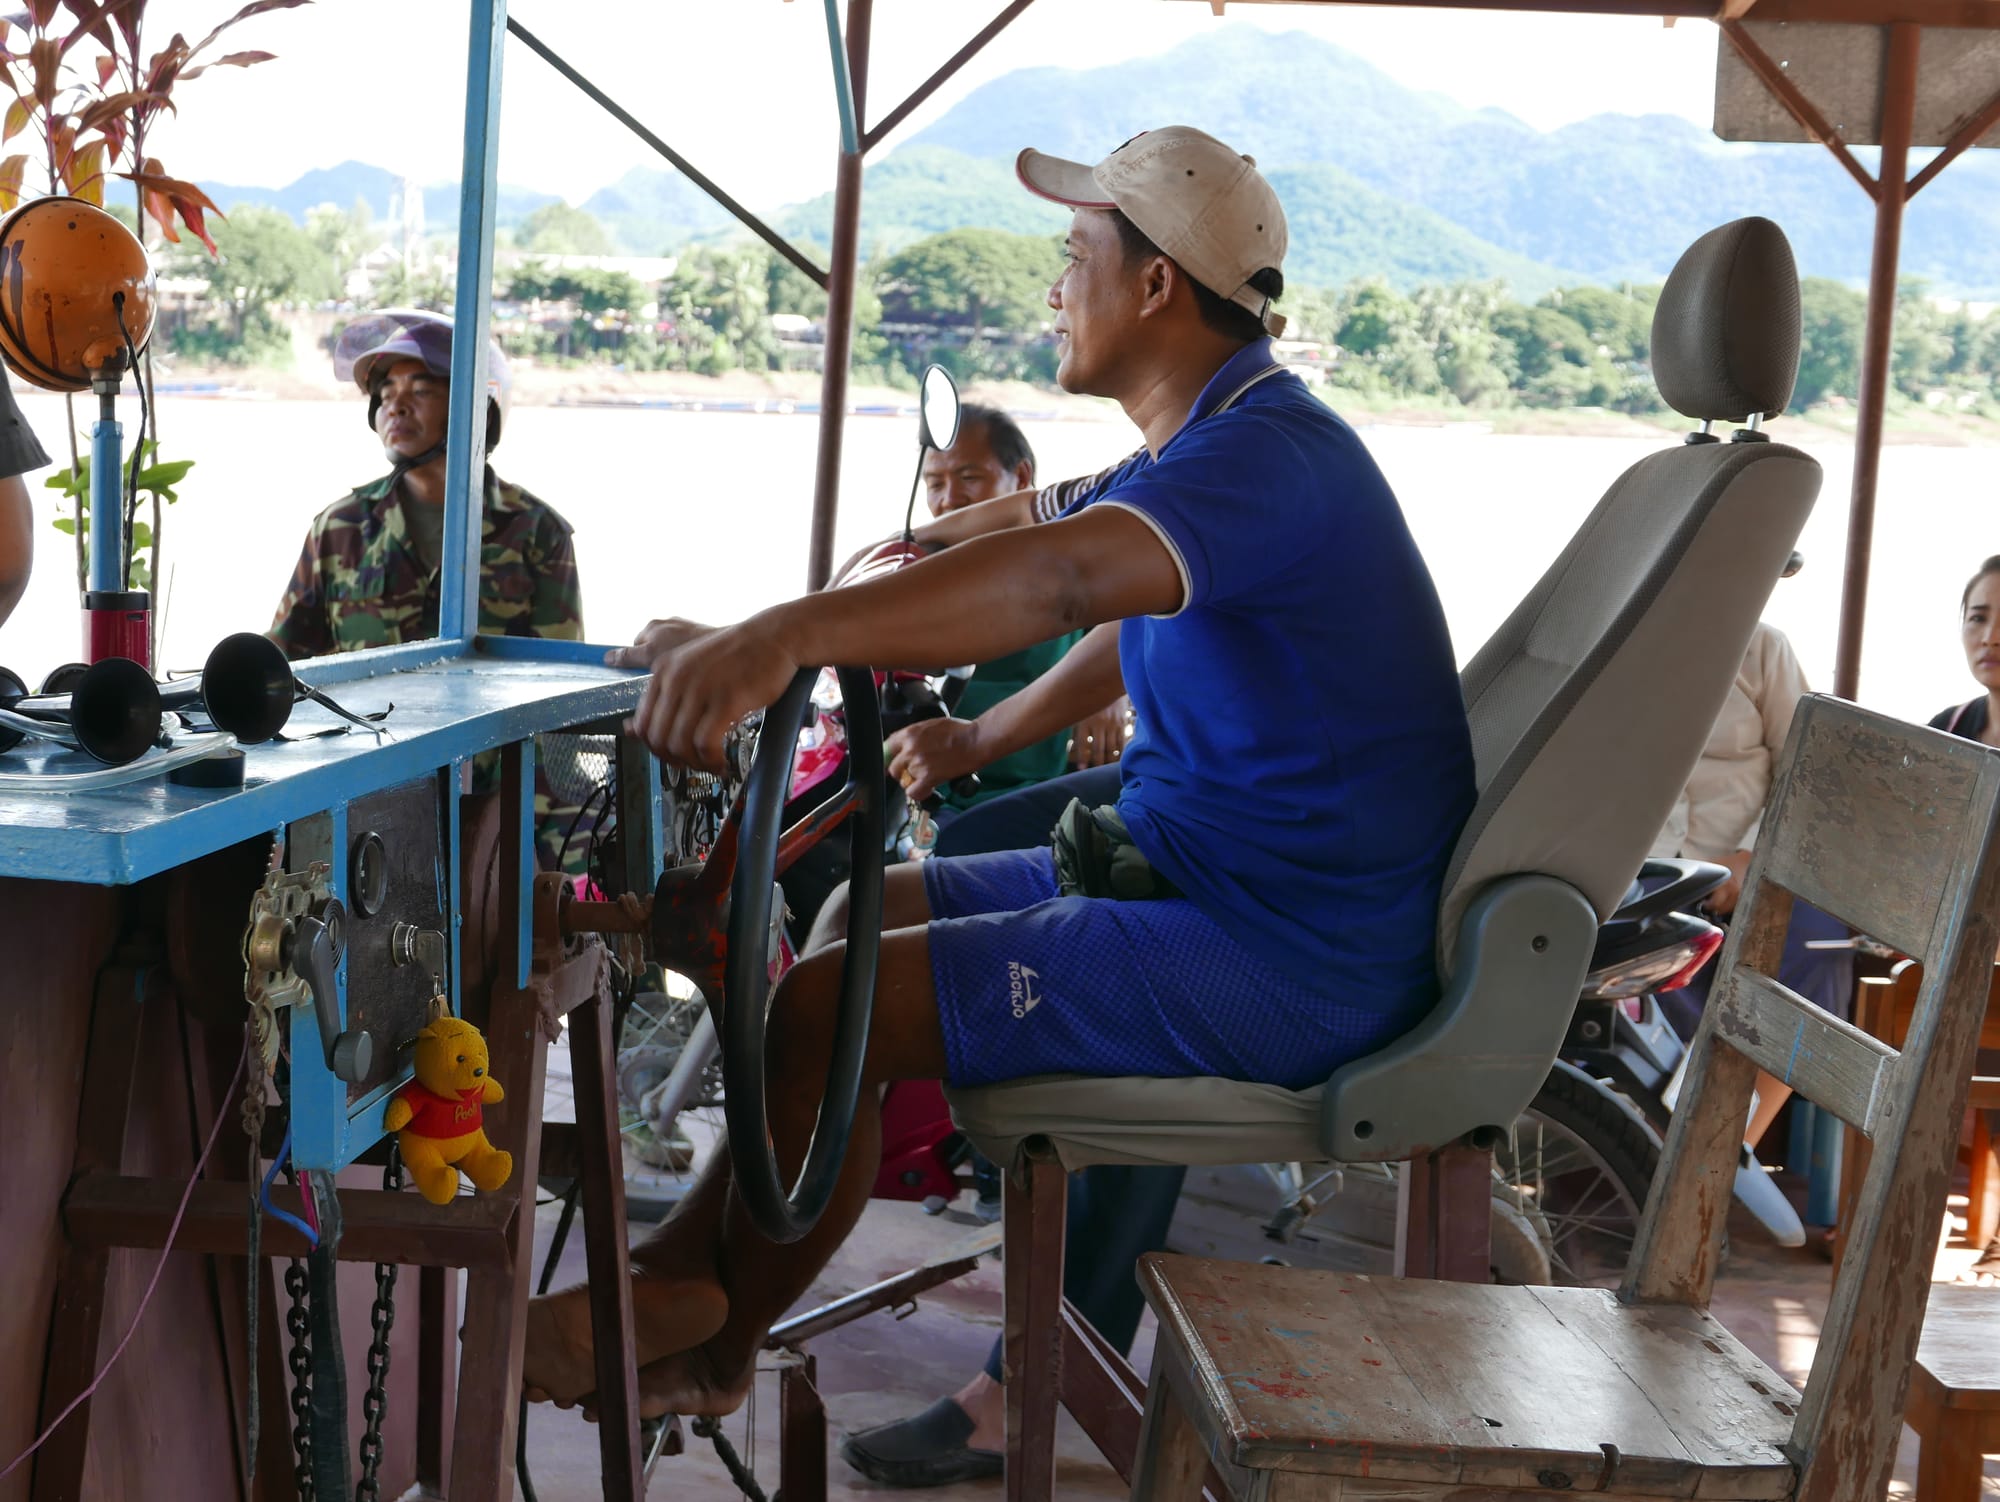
column 925, row 190
column 358, row 182
column 1377, row 178
column 1341, row 229
column 1616, row 197
column 1289, row 99
column 651, row 211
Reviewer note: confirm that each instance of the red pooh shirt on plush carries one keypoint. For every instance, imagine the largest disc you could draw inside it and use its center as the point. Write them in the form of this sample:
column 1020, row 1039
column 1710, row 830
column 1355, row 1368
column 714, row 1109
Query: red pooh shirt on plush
column 435, row 1115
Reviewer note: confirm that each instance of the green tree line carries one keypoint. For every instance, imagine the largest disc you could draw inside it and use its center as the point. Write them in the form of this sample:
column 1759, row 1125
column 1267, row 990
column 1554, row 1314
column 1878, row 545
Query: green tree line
column 976, row 301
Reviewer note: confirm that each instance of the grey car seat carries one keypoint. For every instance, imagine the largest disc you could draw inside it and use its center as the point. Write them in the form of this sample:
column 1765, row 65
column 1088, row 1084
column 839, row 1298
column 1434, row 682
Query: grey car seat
column 1589, row 708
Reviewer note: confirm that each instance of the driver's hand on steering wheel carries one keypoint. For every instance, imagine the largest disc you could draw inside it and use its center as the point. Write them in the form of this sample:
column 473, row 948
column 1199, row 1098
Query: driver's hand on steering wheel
column 659, row 637
column 930, row 753
column 703, row 685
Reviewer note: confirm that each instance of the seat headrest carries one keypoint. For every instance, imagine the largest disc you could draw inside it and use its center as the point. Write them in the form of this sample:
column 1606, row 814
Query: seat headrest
column 1726, row 330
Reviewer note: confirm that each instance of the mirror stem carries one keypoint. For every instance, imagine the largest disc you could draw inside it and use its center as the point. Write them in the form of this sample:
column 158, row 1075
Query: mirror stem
column 916, row 480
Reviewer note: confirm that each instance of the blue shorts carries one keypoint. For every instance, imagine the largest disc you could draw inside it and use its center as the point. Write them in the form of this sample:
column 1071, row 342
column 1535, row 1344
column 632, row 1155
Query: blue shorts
column 1032, row 983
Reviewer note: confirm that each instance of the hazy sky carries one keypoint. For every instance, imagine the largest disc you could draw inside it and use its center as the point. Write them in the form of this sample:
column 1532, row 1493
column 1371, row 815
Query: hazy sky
column 742, row 87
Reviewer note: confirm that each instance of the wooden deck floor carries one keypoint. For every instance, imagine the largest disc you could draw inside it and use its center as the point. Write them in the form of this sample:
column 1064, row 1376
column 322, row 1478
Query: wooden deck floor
column 881, row 1368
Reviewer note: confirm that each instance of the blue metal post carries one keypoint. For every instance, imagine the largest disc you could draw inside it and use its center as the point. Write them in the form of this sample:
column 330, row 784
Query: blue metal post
column 465, row 452
column 843, row 86
column 1823, row 1183
column 107, row 505
column 321, row 1132
column 518, row 825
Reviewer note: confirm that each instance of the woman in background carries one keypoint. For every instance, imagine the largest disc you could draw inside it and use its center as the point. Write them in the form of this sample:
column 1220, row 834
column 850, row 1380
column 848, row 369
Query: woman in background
column 1979, row 720
column 1979, row 632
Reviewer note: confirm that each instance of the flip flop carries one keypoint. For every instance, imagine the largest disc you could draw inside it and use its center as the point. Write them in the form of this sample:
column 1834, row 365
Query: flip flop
column 926, row 1449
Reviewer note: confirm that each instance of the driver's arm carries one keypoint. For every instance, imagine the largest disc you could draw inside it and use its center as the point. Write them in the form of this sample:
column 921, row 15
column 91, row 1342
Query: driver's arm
column 1015, row 509
column 994, row 595
column 1021, row 508
column 935, row 751
column 973, row 603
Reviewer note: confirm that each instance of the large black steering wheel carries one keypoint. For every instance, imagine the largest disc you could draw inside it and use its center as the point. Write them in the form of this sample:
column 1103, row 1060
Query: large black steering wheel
column 781, row 1214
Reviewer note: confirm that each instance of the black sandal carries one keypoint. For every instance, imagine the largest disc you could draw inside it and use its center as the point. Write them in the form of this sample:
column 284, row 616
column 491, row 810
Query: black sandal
column 926, row 1449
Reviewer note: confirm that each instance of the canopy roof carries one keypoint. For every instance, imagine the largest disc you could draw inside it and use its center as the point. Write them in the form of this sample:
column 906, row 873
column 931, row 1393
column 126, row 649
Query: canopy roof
column 1983, row 14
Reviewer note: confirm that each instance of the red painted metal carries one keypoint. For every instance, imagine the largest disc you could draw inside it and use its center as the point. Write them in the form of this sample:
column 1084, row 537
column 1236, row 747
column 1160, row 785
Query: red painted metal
column 916, row 1123
column 1444, row 1215
column 1034, row 1197
column 840, row 274
column 1962, row 139
column 614, row 1342
column 931, row 85
column 1801, row 108
column 816, row 826
column 1899, row 102
column 121, row 626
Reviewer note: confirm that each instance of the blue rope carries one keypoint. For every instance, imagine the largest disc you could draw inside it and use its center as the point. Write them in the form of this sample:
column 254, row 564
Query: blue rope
column 277, row 1164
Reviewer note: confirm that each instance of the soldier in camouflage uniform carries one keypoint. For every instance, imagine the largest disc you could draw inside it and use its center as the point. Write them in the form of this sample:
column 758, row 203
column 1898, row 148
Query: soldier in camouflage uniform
column 369, row 575
column 362, row 581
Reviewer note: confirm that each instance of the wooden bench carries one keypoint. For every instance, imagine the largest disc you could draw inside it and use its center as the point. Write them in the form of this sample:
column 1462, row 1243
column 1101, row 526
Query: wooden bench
column 1955, row 1393
column 1883, row 1009
column 1299, row 1385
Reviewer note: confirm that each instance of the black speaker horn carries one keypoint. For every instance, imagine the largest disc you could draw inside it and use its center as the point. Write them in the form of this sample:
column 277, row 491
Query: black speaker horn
column 113, row 713
column 246, row 687
column 114, row 709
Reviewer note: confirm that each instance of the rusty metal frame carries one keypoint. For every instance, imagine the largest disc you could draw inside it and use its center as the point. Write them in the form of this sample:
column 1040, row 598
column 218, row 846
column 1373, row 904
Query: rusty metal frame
column 850, row 59
column 1977, row 15
column 686, row 168
column 1890, row 190
column 1899, row 104
column 1963, row 137
column 930, row 86
column 1801, row 109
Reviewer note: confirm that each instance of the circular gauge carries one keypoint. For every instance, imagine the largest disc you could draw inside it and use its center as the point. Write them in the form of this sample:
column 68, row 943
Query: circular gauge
column 368, row 874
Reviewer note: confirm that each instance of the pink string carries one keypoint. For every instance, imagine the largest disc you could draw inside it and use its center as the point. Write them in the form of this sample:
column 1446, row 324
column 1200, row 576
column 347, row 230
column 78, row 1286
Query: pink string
column 309, row 1202
column 215, row 1133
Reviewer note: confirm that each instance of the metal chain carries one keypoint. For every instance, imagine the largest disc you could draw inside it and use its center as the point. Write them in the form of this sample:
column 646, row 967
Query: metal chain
column 299, row 1323
column 382, row 1319
column 745, row 1479
column 253, row 1128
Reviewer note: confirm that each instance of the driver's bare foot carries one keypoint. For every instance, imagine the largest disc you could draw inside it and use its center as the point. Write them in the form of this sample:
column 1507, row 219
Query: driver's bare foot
column 1985, row 1273
column 669, row 1314
column 690, row 1384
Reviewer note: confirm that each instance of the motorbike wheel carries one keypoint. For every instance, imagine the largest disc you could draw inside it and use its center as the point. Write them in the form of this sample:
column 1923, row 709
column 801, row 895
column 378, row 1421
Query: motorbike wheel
column 1582, row 1161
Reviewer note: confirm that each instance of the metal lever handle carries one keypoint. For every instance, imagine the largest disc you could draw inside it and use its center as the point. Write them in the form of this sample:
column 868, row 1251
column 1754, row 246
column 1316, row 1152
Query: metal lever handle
column 315, row 956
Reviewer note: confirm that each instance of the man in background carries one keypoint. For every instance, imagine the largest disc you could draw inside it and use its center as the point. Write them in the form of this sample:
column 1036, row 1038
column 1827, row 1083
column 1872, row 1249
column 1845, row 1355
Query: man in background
column 19, row 453
column 989, row 459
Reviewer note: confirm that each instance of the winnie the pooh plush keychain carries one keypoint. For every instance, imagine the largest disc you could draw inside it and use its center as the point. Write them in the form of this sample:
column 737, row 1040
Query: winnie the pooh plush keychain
column 436, row 1117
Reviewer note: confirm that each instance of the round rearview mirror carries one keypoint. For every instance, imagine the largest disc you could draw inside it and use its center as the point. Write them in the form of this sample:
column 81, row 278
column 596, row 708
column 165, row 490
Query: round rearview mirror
column 937, row 417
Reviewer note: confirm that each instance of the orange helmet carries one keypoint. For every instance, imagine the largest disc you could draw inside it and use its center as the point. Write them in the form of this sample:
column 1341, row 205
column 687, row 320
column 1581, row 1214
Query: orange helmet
column 63, row 264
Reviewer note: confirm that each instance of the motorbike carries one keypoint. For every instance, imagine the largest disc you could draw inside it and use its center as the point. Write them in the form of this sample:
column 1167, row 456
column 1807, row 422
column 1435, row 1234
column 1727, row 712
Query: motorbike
column 1620, row 1035
column 1572, row 1175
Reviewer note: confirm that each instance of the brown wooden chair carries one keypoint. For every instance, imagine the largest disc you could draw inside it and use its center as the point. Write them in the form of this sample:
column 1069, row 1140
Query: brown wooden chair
column 1309, row 1385
column 1883, row 1009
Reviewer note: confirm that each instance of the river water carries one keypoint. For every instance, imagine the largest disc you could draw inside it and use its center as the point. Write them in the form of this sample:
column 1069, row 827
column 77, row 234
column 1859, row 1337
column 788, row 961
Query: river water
column 704, row 514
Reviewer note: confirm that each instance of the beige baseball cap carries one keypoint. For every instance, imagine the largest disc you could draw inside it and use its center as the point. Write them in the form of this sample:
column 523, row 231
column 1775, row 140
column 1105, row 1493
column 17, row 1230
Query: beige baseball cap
column 1202, row 203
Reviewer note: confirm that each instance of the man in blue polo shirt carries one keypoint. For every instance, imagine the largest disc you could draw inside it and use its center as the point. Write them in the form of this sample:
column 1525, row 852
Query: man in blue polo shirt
column 1261, row 902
